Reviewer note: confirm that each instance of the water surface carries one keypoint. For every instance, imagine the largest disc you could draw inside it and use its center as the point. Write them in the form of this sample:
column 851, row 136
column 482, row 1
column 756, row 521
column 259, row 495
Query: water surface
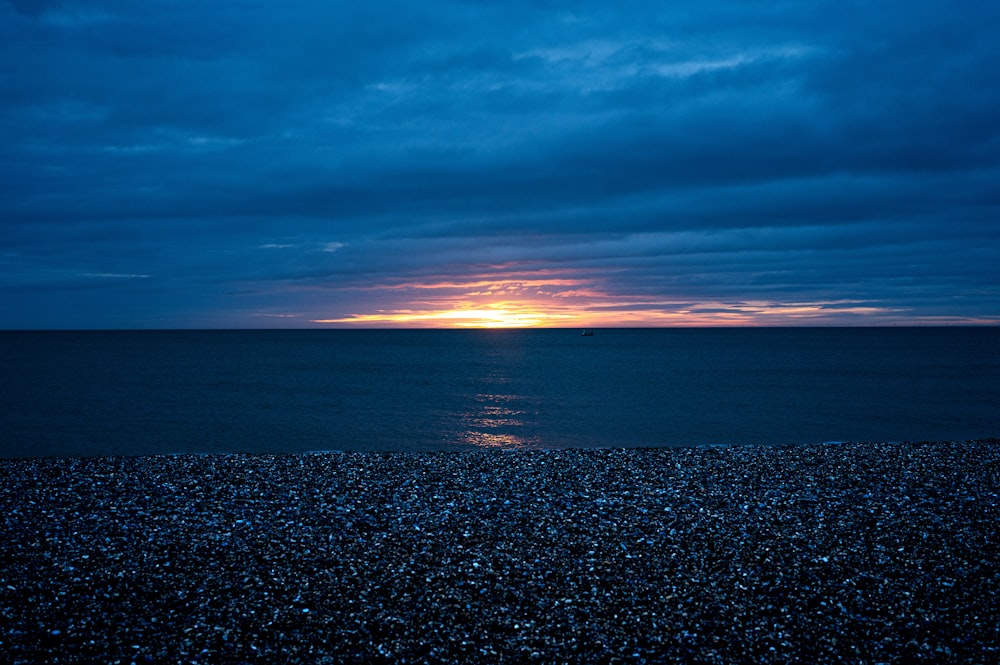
column 99, row 393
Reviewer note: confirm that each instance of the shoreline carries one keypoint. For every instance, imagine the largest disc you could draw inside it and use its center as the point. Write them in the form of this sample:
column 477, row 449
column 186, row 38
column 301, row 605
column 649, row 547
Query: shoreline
column 470, row 449
column 835, row 552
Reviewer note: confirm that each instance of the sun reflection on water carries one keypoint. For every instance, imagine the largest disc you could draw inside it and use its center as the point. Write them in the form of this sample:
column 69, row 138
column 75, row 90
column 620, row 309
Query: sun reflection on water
column 496, row 422
column 504, row 441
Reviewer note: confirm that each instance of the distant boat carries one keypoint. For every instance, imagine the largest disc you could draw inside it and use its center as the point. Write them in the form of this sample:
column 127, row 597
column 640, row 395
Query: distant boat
column 587, row 333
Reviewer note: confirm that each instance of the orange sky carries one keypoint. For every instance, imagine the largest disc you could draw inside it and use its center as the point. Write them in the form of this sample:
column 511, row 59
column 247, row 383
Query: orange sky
column 553, row 299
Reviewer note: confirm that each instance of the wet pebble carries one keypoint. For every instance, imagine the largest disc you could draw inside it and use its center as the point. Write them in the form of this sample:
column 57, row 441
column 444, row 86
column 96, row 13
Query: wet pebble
column 856, row 552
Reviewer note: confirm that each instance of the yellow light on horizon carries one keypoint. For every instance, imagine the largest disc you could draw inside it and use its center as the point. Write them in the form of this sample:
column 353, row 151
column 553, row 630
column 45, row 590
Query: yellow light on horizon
column 463, row 317
column 557, row 301
column 494, row 318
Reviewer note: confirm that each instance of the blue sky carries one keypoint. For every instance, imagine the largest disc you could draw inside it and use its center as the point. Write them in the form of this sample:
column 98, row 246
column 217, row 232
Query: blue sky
column 307, row 164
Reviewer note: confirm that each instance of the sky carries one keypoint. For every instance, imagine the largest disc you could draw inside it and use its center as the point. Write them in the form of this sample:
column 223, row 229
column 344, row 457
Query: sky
column 258, row 164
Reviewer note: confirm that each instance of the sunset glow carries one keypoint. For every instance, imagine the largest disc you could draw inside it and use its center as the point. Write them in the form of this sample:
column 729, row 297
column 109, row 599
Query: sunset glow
column 477, row 303
column 504, row 315
column 541, row 301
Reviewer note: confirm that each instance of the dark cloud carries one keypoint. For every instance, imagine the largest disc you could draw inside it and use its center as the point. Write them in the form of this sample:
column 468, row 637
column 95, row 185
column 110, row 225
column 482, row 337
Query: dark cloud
column 33, row 8
column 174, row 163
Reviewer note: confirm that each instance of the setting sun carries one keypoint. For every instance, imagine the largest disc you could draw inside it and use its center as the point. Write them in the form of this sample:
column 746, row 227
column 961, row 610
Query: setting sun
column 556, row 299
column 506, row 315
column 529, row 300
column 496, row 318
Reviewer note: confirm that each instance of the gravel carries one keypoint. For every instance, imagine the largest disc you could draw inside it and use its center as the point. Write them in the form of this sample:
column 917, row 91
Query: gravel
column 833, row 553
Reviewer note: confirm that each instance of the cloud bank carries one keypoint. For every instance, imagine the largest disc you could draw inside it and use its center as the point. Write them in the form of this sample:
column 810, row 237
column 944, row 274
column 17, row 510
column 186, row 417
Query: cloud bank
column 182, row 164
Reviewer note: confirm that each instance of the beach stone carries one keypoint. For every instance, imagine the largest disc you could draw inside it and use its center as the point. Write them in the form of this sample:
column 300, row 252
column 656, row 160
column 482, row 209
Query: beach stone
column 854, row 552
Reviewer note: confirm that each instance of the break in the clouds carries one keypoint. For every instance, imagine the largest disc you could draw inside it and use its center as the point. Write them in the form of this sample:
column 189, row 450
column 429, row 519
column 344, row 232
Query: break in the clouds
column 187, row 164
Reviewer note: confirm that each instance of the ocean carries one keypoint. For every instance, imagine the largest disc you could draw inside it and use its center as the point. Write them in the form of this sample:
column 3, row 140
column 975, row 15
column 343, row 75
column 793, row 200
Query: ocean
column 273, row 391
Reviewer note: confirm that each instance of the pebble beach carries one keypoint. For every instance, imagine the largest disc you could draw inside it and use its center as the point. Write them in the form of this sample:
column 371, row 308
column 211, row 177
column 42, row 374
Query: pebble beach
column 831, row 553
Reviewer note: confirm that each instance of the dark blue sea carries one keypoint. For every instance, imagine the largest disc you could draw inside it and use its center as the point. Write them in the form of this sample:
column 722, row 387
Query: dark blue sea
column 156, row 392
